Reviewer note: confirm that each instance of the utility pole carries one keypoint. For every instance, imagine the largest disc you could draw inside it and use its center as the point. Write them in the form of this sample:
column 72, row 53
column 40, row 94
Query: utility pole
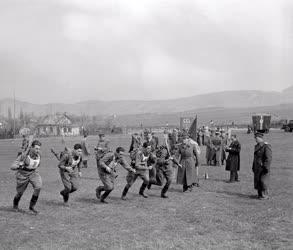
column 13, row 113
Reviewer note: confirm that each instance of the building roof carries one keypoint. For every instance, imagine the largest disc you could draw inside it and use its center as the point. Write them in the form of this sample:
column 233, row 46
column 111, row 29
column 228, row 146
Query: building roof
column 57, row 119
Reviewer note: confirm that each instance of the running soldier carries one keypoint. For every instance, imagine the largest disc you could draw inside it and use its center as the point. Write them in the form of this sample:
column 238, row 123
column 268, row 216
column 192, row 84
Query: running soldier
column 142, row 162
column 107, row 171
column 69, row 167
column 27, row 172
column 153, row 142
column 164, row 167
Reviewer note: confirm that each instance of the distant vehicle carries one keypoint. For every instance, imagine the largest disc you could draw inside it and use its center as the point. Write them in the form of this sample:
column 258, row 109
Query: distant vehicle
column 261, row 123
column 288, row 126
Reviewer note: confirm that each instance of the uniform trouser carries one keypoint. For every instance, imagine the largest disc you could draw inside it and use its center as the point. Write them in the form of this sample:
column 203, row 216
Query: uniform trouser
column 23, row 178
column 153, row 174
column 196, row 180
column 131, row 178
column 108, row 184
column 217, row 158
column 70, row 182
column 261, row 182
column 163, row 172
column 208, row 155
column 233, row 175
column 84, row 164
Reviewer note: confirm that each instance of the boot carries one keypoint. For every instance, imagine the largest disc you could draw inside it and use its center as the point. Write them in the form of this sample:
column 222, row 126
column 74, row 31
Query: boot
column 141, row 190
column 265, row 195
column 105, row 195
column 16, row 201
column 125, row 190
column 259, row 194
column 98, row 192
column 33, row 202
column 164, row 190
column 65, row 196
column 163, row 194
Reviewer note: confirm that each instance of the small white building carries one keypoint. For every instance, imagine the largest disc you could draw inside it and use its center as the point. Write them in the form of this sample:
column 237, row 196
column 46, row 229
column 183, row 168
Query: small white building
column 56, row 125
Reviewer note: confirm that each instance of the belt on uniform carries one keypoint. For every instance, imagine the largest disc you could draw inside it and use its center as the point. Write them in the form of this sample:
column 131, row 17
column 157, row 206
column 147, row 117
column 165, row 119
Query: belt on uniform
column 28, row 170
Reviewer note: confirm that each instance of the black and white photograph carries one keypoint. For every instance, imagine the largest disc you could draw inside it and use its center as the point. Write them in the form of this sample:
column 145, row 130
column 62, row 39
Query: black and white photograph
column 146, row 124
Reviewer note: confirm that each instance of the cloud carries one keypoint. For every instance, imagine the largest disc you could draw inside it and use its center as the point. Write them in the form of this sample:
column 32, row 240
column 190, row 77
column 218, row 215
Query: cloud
column 144, row 49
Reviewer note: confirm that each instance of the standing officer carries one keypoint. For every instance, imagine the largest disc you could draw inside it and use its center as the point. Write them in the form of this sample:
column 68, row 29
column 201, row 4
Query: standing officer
column 188, row 157
column 233, row 160
column 69, row 167
column 28, row 173
column 261, row 166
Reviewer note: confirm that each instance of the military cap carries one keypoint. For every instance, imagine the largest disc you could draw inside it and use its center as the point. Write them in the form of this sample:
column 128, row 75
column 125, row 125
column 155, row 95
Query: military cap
column 259, row 134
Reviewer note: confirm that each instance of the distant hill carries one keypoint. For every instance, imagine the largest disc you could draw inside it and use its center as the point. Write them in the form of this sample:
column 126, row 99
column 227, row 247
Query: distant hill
column 218, row 115
column 225, row 99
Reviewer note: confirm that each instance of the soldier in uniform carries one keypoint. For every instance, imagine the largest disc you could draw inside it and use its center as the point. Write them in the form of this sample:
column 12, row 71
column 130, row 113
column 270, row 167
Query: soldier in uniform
column 27, row 172
column 135, row 142
column 173, row 138
column 142, row 162
column 261, row 166
column 216, row 146
column 164, row 165
column 188, row 155
column 233, row 160
column 24, row 145
column 107, row 171
column 102, row 144
column 224, row 145
column 209, row 151
column 153, row 142
column 69, row 168
column 85, row 150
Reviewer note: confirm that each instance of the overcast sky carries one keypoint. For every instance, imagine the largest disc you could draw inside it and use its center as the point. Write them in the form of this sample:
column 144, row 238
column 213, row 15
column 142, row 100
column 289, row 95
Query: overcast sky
column 76, row 50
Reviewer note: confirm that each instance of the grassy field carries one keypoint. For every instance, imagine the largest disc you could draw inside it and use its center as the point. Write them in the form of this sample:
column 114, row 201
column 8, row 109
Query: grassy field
column 217, row 215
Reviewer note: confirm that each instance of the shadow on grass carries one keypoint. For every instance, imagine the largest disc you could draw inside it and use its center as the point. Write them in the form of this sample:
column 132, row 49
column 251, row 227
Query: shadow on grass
column 10, row 209
column 216, row 180
column 87, row 200
column 175, row 190
column 59, row 203
column 241, row 195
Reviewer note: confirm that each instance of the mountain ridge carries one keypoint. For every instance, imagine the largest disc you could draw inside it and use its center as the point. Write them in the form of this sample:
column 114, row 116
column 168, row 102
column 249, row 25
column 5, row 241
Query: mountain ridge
column 224, row 99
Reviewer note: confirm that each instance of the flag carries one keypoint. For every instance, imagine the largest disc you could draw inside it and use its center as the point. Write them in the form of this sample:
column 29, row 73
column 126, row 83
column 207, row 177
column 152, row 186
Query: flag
column 193, row 129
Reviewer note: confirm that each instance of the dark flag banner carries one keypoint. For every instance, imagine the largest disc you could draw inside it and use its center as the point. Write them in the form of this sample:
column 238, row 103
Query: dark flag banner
column 192, row 129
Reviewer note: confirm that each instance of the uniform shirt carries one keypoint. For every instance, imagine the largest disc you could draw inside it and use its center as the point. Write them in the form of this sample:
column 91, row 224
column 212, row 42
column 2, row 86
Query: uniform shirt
column 101, row 148
column 24, row 144
column 163, row 156
column 142, row 160
column 111, row 160
column 85, row 148
column 69, row 160
column 262, row 157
